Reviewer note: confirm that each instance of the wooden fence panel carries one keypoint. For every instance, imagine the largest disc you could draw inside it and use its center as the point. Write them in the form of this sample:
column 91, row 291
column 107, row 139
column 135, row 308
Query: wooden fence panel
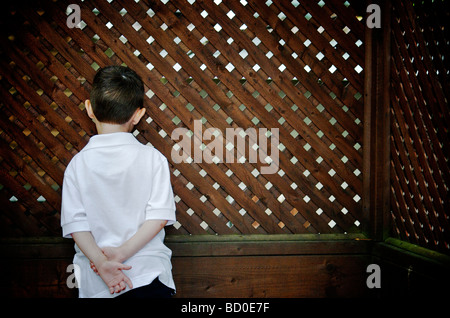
column 419, row 124
column 296, row 67
column 258, row 266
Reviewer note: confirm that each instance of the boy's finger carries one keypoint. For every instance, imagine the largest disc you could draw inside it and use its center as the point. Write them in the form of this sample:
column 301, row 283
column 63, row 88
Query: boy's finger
column 128, row 282
column 125, row 267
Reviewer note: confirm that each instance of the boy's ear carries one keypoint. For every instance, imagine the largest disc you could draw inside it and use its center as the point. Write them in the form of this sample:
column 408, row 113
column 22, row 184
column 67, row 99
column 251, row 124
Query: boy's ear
column 138, row 114
column 89, row 110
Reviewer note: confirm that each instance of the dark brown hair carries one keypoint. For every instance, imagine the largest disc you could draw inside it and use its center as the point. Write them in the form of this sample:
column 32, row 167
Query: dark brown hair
column 116, row 93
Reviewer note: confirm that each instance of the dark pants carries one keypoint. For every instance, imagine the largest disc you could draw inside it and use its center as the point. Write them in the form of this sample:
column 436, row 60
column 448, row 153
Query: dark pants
column 155, row 289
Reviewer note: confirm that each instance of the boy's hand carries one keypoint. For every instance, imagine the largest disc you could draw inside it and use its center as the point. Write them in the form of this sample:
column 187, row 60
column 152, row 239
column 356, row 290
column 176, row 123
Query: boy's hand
column 113, row 254
column 145, row 234
column 110, row 271
column 112, row 275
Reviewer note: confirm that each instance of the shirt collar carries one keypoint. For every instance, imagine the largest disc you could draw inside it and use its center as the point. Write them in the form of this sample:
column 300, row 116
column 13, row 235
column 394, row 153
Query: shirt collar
column 112, row 139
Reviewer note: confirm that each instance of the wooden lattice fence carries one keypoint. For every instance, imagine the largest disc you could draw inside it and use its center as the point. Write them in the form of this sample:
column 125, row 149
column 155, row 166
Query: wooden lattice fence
column 295, row 66
column 420, row 114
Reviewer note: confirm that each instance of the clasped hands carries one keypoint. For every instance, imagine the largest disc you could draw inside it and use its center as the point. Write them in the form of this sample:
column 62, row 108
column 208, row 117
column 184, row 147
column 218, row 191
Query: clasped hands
column 111, row 268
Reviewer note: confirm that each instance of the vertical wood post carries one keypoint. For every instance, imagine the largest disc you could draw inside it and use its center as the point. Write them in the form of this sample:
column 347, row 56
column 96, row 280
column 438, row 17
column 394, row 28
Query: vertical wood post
column 376, row 152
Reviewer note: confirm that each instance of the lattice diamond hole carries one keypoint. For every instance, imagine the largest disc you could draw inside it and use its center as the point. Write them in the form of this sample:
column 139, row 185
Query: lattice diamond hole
column 230, row 67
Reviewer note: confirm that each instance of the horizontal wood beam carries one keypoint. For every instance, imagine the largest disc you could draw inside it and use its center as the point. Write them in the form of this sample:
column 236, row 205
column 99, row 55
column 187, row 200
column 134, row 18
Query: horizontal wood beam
column 210, row 266
column 206, row 245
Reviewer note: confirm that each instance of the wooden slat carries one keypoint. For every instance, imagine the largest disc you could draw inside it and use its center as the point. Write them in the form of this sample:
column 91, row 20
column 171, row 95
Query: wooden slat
column 376, row 127
column 270, row 276
column 251, row 266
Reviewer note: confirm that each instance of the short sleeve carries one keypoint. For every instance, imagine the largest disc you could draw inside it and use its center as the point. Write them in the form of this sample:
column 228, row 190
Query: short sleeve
column 161, row 205
column 73, row 214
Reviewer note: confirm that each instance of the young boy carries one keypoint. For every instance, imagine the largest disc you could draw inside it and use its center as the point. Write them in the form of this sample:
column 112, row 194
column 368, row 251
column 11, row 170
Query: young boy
column 117, row 197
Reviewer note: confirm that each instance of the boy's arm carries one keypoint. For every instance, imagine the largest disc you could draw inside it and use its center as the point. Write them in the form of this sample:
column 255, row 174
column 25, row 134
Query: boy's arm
column 86, row 242
column 110, row 271
column 145, row 234
column 159, row 212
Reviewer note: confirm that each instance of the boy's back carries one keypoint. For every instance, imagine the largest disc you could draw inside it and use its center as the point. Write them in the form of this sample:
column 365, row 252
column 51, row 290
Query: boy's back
column 110, row 188
column 117, row 195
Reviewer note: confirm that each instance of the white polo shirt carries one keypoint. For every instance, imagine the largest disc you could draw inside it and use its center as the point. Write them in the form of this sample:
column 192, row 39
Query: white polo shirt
column 111, row 187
